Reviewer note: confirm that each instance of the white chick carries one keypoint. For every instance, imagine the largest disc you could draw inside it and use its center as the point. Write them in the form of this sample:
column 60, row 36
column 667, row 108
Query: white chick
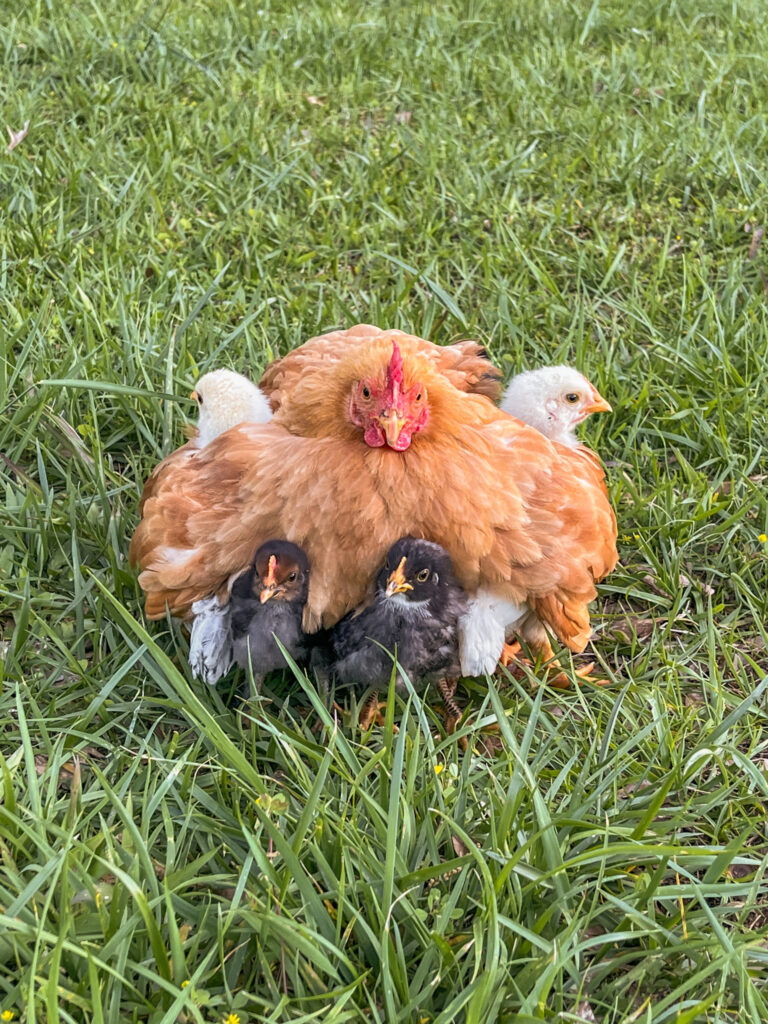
column 554, row 400
column 224, row 399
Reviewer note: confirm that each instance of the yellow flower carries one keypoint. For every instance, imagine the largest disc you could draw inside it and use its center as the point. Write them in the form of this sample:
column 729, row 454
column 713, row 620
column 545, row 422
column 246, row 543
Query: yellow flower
column 763, row 538
column 185, row 983
column 439, row 768
column 7, row 1015
column 232, row 1018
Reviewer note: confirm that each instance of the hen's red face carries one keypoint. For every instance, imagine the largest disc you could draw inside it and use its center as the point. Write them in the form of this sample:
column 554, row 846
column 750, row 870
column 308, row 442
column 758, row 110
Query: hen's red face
column 389, row 413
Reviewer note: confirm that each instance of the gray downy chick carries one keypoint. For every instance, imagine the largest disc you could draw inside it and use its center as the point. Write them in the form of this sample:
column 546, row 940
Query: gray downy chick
column 415, row 613
column 267, row 602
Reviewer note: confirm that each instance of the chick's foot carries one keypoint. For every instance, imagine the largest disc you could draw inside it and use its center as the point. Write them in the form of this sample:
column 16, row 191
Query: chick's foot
column 371, row 712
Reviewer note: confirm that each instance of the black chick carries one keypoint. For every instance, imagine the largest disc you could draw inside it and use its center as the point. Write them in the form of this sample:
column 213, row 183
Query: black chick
column 415, row 613
column 269, row 599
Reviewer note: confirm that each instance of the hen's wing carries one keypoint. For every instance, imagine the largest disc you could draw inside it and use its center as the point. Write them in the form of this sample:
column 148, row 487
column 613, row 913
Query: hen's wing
column 570, row 515
column 195, row 534
column 181, row 455
column 464, row 364
column 467, row 365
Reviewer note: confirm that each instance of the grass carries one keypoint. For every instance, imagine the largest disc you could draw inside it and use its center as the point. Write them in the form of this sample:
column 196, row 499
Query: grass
column 208, row 184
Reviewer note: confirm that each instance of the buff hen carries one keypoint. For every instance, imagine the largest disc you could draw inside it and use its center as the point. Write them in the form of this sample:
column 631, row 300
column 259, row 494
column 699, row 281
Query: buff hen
column 366, row 448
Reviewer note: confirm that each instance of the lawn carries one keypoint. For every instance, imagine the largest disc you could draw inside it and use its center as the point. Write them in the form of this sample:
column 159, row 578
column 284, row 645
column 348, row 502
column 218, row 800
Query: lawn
column 210, row 183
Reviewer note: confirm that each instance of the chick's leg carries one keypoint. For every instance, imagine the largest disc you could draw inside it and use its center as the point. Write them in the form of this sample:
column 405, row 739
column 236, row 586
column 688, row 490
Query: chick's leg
column 371, row 712
column 453, row 713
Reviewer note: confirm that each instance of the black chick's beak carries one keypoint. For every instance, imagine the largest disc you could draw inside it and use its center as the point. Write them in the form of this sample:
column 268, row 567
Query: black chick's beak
column 396, row 584
column 270, row 583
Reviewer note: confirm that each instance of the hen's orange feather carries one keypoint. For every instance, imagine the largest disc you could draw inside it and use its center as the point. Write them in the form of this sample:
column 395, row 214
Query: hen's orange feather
column 518, row 514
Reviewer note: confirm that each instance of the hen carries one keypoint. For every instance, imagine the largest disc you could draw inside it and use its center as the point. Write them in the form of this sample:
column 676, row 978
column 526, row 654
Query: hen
column 366, row 448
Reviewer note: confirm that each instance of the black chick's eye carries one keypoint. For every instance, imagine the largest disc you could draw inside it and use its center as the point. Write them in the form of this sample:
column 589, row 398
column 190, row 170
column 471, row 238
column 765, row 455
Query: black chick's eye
column 423, row 576
column 292, row 577
column 572, row 397
column 366, row 392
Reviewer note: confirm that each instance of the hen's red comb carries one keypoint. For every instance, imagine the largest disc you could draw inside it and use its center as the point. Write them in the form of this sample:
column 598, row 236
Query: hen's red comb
column 395, row 369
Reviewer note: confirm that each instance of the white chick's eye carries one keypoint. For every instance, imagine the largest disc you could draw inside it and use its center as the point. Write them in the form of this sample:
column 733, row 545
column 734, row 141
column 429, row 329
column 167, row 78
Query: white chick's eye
column 199, row 399
column 571, row 397
column 423, row 576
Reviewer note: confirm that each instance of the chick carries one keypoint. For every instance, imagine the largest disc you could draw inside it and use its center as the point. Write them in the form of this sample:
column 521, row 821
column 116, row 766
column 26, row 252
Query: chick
column 554, row 400
column 224, row 399
column 414, row 614
column 267, row 602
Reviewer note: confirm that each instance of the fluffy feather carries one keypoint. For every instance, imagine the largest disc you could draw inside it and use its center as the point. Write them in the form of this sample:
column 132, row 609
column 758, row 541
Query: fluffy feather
column 224, row 399
column 527, row 519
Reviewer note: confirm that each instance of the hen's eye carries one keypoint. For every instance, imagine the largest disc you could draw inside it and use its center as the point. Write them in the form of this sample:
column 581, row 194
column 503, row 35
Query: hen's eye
column 199, row 399
column 292, row 577
column 572, row 397
column 418, row 397
column 366, row 392
column 423, row 576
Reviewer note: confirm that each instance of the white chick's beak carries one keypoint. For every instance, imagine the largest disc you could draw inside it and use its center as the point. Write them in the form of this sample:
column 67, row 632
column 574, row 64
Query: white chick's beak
column 596, row 403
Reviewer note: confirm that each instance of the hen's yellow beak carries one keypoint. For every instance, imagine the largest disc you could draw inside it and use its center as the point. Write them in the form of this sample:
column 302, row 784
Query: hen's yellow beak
column 392, row 422
column 396, row 583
